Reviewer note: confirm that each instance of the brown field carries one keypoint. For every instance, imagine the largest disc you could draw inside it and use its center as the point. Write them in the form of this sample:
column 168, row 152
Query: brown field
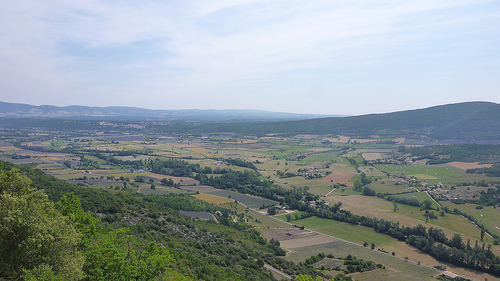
column 336, row 177
column 289, row 234
column 212, row 199
column 399, row 140
column 466, row 165
column 340, row 139
column 203, row 151
column 8, row 148
column 248, row 141
column 310, row 240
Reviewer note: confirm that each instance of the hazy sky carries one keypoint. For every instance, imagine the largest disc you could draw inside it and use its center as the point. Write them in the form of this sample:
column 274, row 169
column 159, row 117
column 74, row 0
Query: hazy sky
column 331, row 57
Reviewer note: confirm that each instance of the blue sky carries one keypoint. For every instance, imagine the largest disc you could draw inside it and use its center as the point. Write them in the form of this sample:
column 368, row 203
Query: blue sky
column 328, row 57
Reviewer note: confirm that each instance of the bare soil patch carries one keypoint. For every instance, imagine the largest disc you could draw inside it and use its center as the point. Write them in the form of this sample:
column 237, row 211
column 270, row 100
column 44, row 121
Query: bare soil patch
column 288, row 234
column 336, row 177
column 311, row 240
column 212, row 199
column 8, row 148
column 466, row 165
column 340, row 139
column 399, row 140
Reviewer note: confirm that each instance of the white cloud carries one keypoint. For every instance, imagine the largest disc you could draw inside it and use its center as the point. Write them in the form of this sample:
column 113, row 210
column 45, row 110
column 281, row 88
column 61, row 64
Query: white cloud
column 231, row 49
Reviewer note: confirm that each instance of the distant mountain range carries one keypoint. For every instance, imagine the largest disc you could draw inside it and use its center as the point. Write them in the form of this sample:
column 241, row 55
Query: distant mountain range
column 460, row 121
column 122, row 113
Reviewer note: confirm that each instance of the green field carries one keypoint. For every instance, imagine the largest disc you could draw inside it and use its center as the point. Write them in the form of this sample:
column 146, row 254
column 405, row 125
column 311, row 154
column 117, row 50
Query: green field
column 397, row 270
column 489, row 216
column 430, row 173
column 354, row 233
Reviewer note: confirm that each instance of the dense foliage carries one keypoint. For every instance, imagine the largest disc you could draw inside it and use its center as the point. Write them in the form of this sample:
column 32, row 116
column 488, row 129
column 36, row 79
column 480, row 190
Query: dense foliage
column 437, row 154
column 493, row 171
column 352, row 263
column 34, row 236
column 251, row 183
column 159, row 237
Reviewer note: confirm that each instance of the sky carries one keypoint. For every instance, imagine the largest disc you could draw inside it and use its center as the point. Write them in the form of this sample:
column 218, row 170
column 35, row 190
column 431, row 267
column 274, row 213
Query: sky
column 326, row 57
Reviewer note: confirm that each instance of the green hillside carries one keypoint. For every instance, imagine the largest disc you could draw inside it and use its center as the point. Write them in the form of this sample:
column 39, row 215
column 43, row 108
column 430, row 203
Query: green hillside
column 471, row 120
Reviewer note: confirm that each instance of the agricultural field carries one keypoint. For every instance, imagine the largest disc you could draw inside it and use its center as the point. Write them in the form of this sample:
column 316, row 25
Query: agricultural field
column 489, row 215
column 393, row 186
column 432, row 174
column 407, row 215
column 308, row 243
column 396, row 268
column 245, row 199
column 327, row 169
column 212, row 199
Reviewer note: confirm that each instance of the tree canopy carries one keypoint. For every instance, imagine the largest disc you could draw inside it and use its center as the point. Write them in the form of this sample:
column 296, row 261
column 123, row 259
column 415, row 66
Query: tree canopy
column 35, row 237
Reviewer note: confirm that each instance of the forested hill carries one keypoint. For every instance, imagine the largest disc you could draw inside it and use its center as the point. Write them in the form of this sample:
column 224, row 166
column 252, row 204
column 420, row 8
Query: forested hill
column 470, row 120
